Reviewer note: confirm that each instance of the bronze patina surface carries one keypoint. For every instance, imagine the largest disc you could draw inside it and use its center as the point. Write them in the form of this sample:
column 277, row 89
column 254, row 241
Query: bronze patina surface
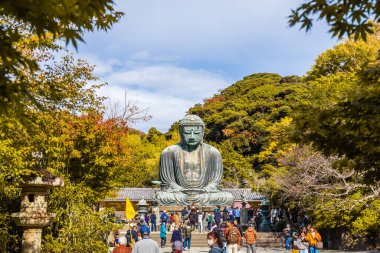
column 191, row 171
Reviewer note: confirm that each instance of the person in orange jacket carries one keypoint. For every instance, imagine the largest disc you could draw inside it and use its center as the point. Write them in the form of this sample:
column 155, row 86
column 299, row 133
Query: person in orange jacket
column 313, row 238
column 250, row 235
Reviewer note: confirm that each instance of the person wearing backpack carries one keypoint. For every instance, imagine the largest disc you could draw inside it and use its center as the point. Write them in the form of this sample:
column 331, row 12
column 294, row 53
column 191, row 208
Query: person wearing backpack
column 251, row 236
column 233, row 238
column 164, row 217
column 187, row 236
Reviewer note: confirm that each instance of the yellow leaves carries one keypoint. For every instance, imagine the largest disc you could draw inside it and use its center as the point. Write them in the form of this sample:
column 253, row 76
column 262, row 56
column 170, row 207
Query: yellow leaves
column 228, row 132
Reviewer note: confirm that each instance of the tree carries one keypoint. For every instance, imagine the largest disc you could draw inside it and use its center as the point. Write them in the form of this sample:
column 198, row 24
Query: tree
column 336, row 197
column 340, row 116
column 345, row 17
column 52, row 139
column 38, row 20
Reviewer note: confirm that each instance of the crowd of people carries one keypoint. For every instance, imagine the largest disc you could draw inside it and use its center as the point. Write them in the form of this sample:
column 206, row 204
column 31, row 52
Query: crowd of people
column 224, row 231
column 305, row 239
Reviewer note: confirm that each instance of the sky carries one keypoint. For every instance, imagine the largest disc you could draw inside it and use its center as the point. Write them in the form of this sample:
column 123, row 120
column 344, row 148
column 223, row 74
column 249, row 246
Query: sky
column 168, row 55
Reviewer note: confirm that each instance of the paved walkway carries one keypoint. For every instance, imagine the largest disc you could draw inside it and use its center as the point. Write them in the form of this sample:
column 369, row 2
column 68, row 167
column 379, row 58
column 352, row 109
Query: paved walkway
column 259, row 250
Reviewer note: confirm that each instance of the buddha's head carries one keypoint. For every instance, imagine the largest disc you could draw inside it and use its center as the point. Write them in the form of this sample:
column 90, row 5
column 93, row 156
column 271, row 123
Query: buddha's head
column 191, row 130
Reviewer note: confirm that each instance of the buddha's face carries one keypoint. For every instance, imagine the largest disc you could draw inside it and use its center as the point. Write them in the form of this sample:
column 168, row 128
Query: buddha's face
column 191, row 135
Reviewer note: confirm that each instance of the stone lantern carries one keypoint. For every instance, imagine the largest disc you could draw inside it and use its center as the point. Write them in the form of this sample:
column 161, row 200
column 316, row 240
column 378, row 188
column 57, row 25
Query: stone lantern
column 142, row 208
column 33, row 215
column 264, row 209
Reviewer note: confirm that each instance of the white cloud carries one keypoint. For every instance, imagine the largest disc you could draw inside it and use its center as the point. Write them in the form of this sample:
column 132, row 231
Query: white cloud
column 168, row 91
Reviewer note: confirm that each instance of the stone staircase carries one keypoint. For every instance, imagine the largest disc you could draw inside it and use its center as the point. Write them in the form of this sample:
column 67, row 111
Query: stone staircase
column 270, row 240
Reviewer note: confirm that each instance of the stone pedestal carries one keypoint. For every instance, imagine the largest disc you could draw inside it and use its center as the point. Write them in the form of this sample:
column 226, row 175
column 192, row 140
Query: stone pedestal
column 33, row 215
column 31, row 240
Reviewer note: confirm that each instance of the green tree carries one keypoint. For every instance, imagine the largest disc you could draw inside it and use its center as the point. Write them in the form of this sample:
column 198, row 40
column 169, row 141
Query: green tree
column 243, row 121
column 38, row 20
column 340, row 116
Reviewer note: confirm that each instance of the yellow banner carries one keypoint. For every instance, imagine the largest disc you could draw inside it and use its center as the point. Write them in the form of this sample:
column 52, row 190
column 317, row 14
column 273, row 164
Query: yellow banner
column 129, row 210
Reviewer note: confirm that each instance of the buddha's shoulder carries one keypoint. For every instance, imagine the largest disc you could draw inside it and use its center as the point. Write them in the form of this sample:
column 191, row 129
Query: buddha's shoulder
column 171, row 149
column 210, row 148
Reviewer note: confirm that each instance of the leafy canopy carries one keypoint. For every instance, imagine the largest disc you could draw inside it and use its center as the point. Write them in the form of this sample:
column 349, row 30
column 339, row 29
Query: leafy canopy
column 41, row 20
column 340, row 116
column 345, row 17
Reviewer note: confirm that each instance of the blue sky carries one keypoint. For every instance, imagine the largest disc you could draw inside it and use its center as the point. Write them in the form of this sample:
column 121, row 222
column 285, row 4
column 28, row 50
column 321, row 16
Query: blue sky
column 171, row 54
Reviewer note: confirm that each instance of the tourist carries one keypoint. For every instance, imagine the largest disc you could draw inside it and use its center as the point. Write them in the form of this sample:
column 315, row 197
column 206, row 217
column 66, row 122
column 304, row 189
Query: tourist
column 116, row 241
column 200, row 221
column 238, row 225
column 143, row 223
column 145, row 245
column 171, row 226
column 303, row 245
column 294, row 243
column 231, row 213
column 176, row 242
column 237, row 214
column 176, row 219
column 192, row 219
column 213, row 240
column 163, row 234
column 287, row 236
column 214, row 227
column 122, row 248
column 217, row 216
column 252, row 222
column 205, row 222
column 273, row 215
column 164, row 217
column 153, row 221
column 187, row 236
column 180, row 229
column 222, row 229
column 184, row 214
column 233, row 238
column 225, row 215
column 135, row 233
column 250, row 236
column 258, row 220
column 146, row 219
column 209, row 221
column 305, row 220
column 314, row 239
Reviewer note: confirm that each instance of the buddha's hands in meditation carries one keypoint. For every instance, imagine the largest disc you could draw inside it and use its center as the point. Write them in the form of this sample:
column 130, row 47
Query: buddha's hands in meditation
column 211, row 188
column 174, row 188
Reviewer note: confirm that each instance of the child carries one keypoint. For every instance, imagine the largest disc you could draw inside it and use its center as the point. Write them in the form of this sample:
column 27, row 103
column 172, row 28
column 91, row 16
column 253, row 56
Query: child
column 163, row 234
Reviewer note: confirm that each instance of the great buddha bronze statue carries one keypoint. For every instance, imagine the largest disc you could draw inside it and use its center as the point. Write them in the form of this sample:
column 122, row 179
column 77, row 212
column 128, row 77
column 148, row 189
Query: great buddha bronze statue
column 191, row 171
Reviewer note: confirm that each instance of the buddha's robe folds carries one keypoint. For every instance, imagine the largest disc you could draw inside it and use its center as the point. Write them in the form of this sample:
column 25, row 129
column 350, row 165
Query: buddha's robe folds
column 191, row 177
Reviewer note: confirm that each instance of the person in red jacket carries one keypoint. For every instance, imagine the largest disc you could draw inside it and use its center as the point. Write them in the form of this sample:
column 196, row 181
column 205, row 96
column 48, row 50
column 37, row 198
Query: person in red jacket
column 122, row 248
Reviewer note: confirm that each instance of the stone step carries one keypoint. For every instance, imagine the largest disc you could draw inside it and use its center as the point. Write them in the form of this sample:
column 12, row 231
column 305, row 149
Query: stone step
column 200, row 240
